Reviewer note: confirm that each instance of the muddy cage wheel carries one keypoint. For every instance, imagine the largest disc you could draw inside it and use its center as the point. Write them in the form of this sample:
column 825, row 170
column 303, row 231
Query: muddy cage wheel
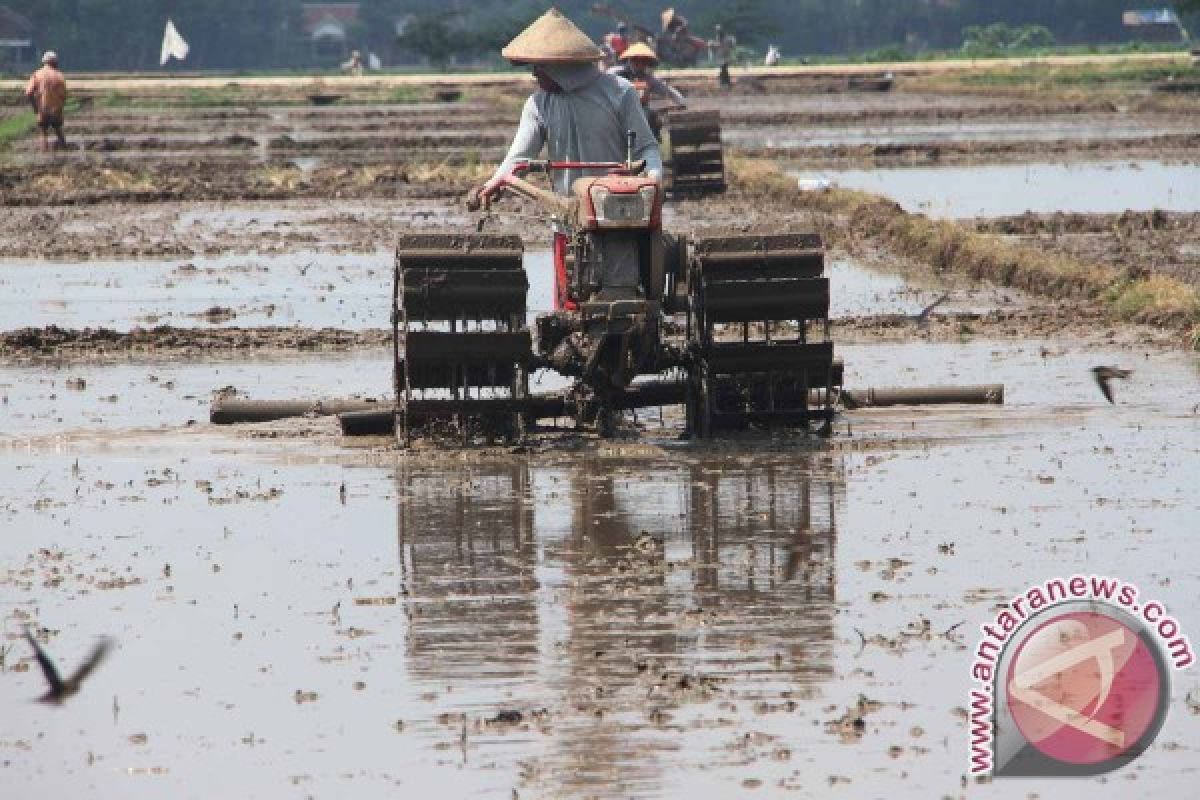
column 461, row 343
column 760, row 309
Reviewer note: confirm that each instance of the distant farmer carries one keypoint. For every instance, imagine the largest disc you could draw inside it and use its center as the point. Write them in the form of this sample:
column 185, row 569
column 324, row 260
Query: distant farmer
column 47, row 93
column 615, row 43
column 578, row 112
column 355, row 65
column 676, row 45
column 721, row 48
column 673, row 22
column 638, row 65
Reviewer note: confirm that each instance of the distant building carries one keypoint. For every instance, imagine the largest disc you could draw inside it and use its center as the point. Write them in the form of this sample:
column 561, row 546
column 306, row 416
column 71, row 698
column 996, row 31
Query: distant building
column 328, row 27
column 1156, row 25
column 16, row 38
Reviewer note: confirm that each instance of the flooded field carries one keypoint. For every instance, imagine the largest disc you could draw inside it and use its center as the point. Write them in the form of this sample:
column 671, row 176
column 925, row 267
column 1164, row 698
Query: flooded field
column 300, row 614
column 313, row 289
column 999, row 190
column 650, row 618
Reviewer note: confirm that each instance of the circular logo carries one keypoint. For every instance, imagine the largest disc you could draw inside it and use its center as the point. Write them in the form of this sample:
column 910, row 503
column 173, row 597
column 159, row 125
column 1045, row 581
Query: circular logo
column 1085, row 688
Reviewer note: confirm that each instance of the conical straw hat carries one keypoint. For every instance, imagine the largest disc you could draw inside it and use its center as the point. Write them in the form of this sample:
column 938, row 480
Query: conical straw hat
column 552, row 39
column 639, row 50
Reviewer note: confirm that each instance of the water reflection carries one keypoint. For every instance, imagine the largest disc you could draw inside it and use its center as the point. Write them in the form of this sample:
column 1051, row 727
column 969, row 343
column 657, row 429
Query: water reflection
column 466, row 559
column 644, row 606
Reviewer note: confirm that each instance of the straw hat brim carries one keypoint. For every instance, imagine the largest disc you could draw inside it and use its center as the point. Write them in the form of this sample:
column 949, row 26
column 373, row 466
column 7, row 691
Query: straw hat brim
column 639, row 50
column 552, row 39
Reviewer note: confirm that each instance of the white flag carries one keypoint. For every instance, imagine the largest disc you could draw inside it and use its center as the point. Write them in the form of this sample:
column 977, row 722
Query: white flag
column 173, row 45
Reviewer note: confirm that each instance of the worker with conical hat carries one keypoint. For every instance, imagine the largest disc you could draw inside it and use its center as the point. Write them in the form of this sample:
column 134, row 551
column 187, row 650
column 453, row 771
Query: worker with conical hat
column 637, row 67
column 579, row 112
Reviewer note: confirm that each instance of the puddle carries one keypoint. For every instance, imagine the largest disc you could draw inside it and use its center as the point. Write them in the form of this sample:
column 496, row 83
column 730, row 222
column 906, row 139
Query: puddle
column 856, row 290
column 983, row 191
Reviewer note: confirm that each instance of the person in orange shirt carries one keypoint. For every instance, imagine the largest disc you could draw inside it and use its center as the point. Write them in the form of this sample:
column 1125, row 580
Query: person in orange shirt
column 47, row 93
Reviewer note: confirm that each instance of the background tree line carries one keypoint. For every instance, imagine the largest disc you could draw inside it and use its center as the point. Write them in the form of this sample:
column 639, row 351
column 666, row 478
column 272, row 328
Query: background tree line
column 267, row 34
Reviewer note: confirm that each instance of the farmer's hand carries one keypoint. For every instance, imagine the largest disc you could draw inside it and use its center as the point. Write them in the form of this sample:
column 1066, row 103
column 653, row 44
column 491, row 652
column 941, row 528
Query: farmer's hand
column 491, row 190
column 482, row 196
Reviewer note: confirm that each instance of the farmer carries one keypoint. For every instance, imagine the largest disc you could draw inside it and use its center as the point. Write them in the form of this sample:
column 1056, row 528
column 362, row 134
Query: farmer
column 578, row 112
column 354, row 66
column 721, row 48
column 47, row 93
column 615, row 43
column 638, row 67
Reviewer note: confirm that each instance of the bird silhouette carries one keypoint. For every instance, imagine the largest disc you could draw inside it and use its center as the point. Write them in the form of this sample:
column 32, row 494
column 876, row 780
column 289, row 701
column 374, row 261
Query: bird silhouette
column 922, row 319
column 60, row 690
column 1104, row 377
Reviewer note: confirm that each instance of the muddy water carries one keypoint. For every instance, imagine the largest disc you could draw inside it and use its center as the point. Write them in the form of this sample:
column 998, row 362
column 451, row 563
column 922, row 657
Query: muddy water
column 981, row 191
column 317, row 289
column 711, row 656
column 149, row 395
column 310, row 288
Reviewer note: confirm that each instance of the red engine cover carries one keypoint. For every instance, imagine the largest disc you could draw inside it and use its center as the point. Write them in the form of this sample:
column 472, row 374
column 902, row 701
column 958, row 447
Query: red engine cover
column 618, row 184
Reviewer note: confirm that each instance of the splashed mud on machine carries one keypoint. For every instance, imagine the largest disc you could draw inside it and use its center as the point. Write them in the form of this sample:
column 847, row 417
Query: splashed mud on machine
column 734, row 325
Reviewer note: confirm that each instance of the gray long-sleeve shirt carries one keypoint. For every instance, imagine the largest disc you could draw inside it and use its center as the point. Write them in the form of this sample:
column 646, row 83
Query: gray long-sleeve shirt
column 585, row 123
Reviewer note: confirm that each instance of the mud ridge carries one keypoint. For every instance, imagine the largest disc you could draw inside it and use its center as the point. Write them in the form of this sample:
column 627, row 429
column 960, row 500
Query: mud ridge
column 92, row 343
column 857, row 218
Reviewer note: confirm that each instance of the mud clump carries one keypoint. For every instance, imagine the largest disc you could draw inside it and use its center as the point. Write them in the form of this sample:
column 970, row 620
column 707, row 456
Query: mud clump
column 216, row 315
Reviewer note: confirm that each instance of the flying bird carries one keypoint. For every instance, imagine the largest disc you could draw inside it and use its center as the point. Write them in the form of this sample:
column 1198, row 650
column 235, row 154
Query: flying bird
column 61, row 689
column 1104, row 376
column 922, row 319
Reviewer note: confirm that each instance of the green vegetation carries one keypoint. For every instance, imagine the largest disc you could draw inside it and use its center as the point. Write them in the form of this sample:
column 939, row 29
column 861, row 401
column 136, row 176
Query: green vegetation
column 1042, row 77
column 900, row 54
column 405, row 95
column 999, row 39
column 18, row 127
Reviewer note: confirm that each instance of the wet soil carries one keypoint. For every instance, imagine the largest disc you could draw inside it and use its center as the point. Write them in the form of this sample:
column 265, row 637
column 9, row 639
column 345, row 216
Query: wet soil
column 63, row 182
column 1156, row 242
column 777, row 118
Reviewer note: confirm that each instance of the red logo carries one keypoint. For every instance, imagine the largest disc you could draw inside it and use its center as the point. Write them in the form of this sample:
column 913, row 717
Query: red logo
column 1084, row 689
